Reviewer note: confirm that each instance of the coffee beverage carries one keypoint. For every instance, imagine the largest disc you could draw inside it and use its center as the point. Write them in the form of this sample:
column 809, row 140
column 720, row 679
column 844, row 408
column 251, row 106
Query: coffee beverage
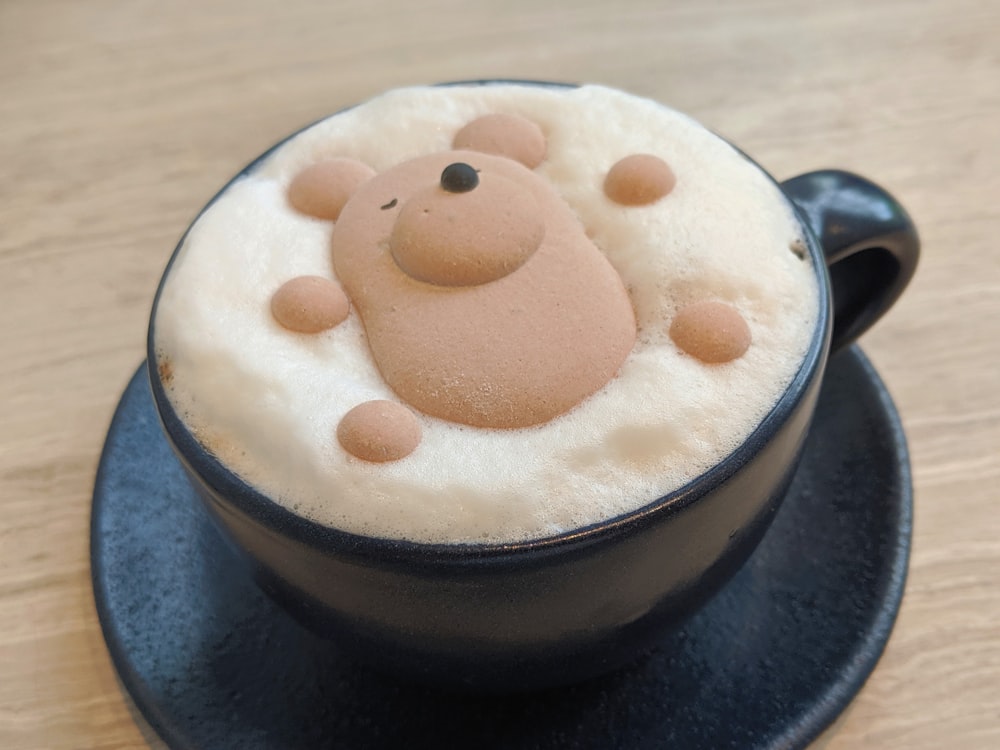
column 486, row 313
column 493, row 384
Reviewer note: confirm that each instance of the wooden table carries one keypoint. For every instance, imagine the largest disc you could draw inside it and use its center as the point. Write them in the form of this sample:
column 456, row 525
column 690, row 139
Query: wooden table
column 120, row 118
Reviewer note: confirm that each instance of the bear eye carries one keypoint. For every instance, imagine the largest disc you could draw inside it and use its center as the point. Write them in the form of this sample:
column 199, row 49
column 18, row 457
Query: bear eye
column 459, row 178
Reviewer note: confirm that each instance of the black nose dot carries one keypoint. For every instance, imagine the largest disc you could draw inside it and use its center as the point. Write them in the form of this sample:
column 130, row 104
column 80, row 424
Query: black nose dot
column 459, row 178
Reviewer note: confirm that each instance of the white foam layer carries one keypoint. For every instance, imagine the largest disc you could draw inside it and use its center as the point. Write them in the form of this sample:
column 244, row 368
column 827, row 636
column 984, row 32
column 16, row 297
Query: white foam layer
column 267, row 401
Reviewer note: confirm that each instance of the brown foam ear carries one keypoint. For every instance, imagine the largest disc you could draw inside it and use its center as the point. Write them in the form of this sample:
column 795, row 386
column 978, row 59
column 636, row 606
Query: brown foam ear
column 322, row 190
column 379, row 431
column 512, row 136
column 711, row 331
column 638, row 180
column 309, row 304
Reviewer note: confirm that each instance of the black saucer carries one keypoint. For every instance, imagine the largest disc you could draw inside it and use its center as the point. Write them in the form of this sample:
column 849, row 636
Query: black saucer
column 769, row 663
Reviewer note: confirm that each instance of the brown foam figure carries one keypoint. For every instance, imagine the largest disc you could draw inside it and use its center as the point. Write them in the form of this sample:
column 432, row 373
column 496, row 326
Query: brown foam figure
column 322, row 190
column 379, row 431
column 504, row 135
column 711, row 331
column 638, row 180
column 309, row 304
column 483, row 300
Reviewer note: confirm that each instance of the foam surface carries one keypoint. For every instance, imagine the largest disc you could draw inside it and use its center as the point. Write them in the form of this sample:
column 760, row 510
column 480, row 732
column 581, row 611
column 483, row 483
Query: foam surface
column 267, row 401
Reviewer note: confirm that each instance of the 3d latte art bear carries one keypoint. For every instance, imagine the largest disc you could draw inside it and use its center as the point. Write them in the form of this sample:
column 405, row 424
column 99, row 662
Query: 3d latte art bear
column 482, row 298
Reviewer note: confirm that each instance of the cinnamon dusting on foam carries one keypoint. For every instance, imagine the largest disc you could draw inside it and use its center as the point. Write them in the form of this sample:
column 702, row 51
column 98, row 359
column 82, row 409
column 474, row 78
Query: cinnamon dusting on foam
column 165, row 371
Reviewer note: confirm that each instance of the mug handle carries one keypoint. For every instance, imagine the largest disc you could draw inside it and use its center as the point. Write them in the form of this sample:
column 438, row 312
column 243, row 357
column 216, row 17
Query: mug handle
column 869, row 241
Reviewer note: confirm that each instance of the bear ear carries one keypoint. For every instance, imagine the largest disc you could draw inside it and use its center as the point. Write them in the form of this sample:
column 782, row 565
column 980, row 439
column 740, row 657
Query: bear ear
column 322, row 190
column 512, row 136
column 638, row 180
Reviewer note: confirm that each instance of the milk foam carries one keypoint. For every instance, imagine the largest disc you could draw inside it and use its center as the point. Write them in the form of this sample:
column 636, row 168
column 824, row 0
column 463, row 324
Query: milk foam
column 267, row 401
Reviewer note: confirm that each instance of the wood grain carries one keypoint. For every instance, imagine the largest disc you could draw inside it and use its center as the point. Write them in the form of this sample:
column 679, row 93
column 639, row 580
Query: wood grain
column 120, row 118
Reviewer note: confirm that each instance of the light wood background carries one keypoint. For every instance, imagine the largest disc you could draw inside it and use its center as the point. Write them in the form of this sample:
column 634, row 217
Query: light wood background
column 120, row 118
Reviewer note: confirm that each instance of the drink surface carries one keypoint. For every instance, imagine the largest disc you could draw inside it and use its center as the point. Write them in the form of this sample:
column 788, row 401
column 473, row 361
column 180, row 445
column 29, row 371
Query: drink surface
column 267, row 401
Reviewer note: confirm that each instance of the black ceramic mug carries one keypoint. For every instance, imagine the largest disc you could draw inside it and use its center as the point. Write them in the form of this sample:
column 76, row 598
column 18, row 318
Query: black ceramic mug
column 555, row 610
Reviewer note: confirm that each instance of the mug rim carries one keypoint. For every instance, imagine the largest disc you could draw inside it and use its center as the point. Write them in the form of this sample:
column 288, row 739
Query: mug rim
column 225, row 483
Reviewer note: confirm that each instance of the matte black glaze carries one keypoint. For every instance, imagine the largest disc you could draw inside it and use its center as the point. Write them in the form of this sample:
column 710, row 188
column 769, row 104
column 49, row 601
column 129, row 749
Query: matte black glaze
column 533, row 614
column 768, row 664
